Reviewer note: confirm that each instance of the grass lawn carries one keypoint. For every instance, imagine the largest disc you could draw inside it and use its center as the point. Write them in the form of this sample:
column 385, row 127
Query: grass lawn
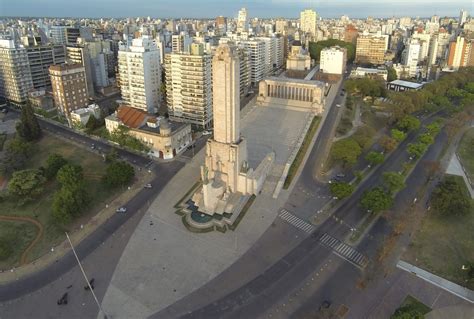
column 18, row 235
column 442, row 245
column 3, row 138
column 40, row 209
column 412, row 304
column 466, row 152
column 302, row 151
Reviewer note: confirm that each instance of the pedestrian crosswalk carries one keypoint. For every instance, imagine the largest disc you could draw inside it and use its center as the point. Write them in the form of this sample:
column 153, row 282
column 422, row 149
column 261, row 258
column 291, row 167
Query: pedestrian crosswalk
column 344, row 251
column 296, row 221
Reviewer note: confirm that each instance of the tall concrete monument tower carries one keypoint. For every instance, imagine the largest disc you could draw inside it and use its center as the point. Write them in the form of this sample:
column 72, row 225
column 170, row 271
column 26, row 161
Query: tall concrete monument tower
column 226, row 176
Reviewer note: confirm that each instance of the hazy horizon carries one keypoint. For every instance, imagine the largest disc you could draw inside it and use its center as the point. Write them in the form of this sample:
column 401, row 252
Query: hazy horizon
column 213, row 8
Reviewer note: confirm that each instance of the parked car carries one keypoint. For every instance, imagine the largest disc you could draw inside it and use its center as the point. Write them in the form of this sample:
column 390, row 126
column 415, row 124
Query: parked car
column 63, row 299
column 148, row 185
column 338, row 105
column 204, row 133
column 121, row 210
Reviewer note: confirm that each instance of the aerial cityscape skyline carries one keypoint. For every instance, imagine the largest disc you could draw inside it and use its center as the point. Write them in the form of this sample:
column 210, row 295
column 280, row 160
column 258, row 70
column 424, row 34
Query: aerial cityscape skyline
column 200, row 160
column 210, row 8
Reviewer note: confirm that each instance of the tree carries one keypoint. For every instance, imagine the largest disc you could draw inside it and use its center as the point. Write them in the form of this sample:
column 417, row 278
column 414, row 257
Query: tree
column 392, row 74
column 409, row 123
column 118, row 174
column 6, row 249
column 364, row 136
column 26, row 184
column 393, row 181
column 433, row 128
column 388, row 143
column 426, row 139
column 70, row 175
column 375, row 158
column 341, row 189
column 416, row 150
column 112, row 155
column 69, row 202
column 28, row 128
column 376, row 200
column 346, row 150
column 450, row 197
column 398, row 135
column 17, row 151
column 316, row 47
column 53, row 164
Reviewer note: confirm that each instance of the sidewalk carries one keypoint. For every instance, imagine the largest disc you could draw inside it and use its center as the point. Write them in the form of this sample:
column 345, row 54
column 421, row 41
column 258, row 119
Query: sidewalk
column 447, row 285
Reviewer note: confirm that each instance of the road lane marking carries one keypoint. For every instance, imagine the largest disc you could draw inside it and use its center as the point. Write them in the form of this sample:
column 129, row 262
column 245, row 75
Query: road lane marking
column 296, row 221
column 344, row 251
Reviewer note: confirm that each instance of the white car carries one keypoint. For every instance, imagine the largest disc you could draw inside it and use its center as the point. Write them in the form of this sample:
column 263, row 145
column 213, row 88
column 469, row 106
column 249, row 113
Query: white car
column 338, row 105
column 148, row 185
column 121, row 210
column 204, row 133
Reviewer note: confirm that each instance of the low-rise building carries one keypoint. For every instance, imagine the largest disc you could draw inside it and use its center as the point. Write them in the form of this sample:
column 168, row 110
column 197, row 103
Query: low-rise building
column 164, row 138
column 402, row 86
column 41, row 99
column 370, row 73
column 81, row 116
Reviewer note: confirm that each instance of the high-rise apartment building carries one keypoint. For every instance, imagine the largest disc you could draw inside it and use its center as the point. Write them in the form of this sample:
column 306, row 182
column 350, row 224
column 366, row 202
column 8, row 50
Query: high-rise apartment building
column 256, row 51
column 79, row 54
column 462, row 17
column 461, row 53
column 189, row 86
column 140, row 74
column 68, row 82
column 221, row 25
column 370, row 49
column 180, row 43
column 40, row 58
column 281, row 26
column 58, row 34
column 242, row 21
column 15, row 75
column 308, row 22
column 411, row 56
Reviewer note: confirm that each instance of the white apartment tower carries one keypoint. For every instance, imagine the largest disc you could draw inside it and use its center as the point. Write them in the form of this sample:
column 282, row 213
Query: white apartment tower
column 462, row 17
column 189, row 86
column 15, row 75
column 411, row 56
column 308, row 21
column 256, row 50
column 242, row 21
column 140, row 74
column 333, row 60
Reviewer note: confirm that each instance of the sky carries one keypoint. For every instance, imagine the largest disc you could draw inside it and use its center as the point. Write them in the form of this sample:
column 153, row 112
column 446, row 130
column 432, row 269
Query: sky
column 229, row 8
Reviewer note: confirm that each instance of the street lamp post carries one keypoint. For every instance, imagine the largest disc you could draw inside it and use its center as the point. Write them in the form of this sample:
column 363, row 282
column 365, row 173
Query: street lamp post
column 85, row 277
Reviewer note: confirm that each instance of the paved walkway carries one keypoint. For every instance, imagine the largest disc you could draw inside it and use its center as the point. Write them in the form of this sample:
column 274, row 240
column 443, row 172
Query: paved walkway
column 455, row 168
column 356, row 123
column 312, row 73
column 447, row 285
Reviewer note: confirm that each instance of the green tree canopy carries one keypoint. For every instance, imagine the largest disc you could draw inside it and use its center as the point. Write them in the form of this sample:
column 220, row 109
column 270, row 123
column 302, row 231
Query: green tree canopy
column 26, row 184
column 426, row 139
column 376, row 200
column 316, row 47
column 53, row 164
column 118, row 173
column 70, row 175
column 375, row 158
column 346, row 150
column 341, row 189
column 451, row 198
column 392, row 74
column 407, row 312
column 433, row 128
column 28, row 128
column 398, row 135
column 393, row 181
column 409, row 123
column 416, row 150
column 17, row 151
column 364, row 136
column 69, row 202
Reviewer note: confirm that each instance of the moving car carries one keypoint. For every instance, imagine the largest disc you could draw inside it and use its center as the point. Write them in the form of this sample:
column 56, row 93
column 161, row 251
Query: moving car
column 204, row 133
column 122, row 210
column 148, row 185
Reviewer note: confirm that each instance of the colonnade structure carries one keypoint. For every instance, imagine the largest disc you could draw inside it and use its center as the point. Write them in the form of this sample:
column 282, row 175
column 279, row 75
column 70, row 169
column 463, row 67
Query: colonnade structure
column 295, row 93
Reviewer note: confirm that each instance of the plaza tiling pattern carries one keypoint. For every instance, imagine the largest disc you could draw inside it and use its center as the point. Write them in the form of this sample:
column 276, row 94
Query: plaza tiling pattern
column 295, row 221
column 344, row 251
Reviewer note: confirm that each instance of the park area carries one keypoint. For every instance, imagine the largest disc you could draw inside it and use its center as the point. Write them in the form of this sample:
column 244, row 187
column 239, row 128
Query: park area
column 28, row 230
column 444, row 245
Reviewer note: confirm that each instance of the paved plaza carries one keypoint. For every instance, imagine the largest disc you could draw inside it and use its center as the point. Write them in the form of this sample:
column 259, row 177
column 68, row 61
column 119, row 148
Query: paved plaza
column 163, row 262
